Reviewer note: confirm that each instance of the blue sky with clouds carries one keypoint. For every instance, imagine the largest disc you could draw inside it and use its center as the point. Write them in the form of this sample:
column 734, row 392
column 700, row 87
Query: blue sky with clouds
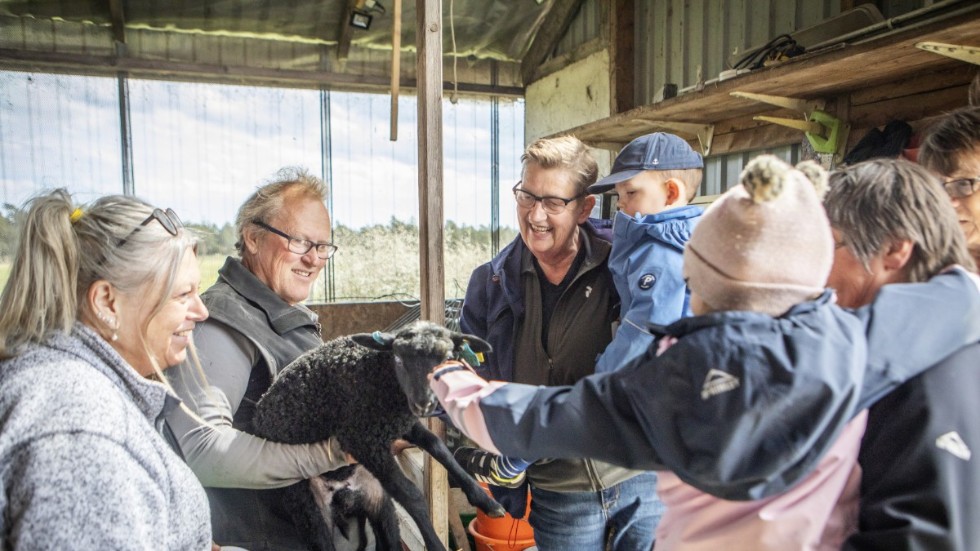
column 202, row 148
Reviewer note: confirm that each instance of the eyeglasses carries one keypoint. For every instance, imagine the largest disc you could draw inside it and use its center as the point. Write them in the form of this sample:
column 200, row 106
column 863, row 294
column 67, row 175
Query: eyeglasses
column 551, row 204
column 301, row 246
column 962, row 187
column 167, row 218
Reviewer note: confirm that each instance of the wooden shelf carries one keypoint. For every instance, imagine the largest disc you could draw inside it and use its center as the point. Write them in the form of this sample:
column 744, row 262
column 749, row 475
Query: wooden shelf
column 865, row 83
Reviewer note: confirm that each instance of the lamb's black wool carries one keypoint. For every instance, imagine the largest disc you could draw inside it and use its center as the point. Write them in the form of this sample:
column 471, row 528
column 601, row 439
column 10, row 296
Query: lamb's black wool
column 367, row 395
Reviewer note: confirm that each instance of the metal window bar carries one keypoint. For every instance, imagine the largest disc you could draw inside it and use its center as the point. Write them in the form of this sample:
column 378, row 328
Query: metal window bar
column 454, row 307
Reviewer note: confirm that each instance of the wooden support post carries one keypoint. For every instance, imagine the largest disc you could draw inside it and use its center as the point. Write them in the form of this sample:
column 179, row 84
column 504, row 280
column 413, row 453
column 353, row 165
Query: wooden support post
column 429, row 70
column 620, row 15
column 396, row 57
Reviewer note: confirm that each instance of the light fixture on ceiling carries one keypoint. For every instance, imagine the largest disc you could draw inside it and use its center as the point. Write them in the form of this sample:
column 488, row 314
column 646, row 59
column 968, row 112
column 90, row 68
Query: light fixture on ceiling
column 360, row 20
column 360, row 16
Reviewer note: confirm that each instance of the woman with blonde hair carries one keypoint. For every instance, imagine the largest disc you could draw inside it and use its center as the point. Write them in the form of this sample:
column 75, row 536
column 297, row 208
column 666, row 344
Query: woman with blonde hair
column 101, row 299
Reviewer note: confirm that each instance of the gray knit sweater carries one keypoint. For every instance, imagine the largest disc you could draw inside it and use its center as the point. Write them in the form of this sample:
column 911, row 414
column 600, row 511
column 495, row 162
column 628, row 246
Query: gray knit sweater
column 81, row 461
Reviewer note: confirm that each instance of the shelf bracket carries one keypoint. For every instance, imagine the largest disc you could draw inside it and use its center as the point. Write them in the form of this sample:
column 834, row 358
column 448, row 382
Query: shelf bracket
column 802, row 105
column 969, row 54
column 806, row 126
column 826, row 133
column 703, row 132
column 822, row 130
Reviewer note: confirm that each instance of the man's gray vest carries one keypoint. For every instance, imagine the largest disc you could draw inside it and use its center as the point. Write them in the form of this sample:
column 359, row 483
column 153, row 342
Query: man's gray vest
column 249, row 518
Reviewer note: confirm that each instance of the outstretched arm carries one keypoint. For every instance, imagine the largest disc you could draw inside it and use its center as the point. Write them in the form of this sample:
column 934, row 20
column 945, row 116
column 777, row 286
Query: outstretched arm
column 532, row 422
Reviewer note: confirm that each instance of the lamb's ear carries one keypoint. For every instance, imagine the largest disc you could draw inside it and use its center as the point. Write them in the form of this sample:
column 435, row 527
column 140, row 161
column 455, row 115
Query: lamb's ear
column 476, row 343
column 376, row 340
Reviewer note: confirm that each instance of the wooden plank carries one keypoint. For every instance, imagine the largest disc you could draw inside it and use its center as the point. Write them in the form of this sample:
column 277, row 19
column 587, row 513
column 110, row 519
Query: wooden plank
column 555, row 23
column 118, row 21
column 908, row 108
column 193, row 72
column 621, row 64
column 924, row 82
column 764, row 137
column 457, row 528
column 411, row 462
column 428, row 34
column 345, row 33
column 396, row 56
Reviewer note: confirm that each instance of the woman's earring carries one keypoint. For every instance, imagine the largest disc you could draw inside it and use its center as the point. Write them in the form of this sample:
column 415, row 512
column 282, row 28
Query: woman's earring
column 111, row 322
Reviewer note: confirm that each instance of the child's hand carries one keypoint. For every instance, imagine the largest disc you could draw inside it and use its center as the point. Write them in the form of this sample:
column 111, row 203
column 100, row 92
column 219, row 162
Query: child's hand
column 448, row 366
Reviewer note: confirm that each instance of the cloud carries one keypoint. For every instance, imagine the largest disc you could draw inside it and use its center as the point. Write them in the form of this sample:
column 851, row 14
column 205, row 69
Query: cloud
column 201, row 149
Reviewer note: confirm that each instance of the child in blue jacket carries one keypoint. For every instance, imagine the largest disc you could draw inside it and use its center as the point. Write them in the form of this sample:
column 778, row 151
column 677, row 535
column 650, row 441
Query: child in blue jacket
column 655, row 177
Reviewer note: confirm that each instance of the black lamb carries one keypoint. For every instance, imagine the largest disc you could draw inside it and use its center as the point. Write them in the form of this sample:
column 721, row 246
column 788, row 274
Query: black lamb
column 367, row 390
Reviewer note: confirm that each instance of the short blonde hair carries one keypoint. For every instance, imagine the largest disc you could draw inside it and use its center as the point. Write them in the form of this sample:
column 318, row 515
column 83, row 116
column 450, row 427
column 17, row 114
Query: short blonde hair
column 564, row 152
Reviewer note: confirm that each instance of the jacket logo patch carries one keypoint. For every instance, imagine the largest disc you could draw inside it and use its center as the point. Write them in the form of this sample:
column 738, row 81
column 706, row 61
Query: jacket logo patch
column 588, row 291
column 954, row 444
column 647, row 280
column 718, row 382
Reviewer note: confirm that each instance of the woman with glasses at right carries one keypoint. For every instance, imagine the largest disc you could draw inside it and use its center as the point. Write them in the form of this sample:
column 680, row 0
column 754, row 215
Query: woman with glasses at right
column 547, row 304
column 951, row 150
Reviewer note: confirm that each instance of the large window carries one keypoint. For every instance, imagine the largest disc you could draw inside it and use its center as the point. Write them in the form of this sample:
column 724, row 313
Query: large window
column 58, row 131
column 201, row 149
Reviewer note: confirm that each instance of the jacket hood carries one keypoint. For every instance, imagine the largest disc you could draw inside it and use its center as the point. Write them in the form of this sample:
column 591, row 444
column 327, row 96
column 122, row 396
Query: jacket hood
column 632, row 229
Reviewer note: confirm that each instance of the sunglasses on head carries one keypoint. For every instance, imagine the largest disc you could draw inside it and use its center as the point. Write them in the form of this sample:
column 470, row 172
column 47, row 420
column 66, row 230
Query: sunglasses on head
column 167, row 218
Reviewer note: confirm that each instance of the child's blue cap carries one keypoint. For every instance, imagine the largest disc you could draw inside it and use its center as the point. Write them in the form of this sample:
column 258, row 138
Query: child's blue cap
column 657, row 151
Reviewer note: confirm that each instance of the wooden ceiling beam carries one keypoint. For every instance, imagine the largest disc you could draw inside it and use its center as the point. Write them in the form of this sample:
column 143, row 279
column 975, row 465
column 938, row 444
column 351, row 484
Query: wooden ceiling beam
column 118, row 16
column 23, row 60
column 556, row 22
column 346, row 32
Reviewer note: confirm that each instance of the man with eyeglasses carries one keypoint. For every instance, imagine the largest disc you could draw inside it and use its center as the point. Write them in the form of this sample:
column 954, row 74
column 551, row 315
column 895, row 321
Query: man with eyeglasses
column 547, row 305
column 951, row 149
column 258, row 325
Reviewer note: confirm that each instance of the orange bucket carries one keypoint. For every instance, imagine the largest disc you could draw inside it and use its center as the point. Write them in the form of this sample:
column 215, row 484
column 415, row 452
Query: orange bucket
column 487, row 543
column 501, row 534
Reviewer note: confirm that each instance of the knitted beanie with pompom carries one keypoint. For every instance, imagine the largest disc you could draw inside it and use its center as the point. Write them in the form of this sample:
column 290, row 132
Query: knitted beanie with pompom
column 764, row 245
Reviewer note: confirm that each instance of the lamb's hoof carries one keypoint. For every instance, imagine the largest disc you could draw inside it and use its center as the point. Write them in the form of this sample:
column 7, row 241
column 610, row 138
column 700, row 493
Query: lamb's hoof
column 496, row 511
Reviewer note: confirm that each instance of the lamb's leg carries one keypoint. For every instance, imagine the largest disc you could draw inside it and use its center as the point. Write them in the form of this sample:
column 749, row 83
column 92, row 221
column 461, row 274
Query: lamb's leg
column 361, row 533
column 423, row 438
column 384, row 522
column 311, row 520
column 365, row 499
column 402, row 490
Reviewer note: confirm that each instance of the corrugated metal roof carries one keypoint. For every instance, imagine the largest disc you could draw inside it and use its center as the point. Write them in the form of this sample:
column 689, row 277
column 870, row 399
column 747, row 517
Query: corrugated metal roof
column 485, row 29
column 299, row 35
